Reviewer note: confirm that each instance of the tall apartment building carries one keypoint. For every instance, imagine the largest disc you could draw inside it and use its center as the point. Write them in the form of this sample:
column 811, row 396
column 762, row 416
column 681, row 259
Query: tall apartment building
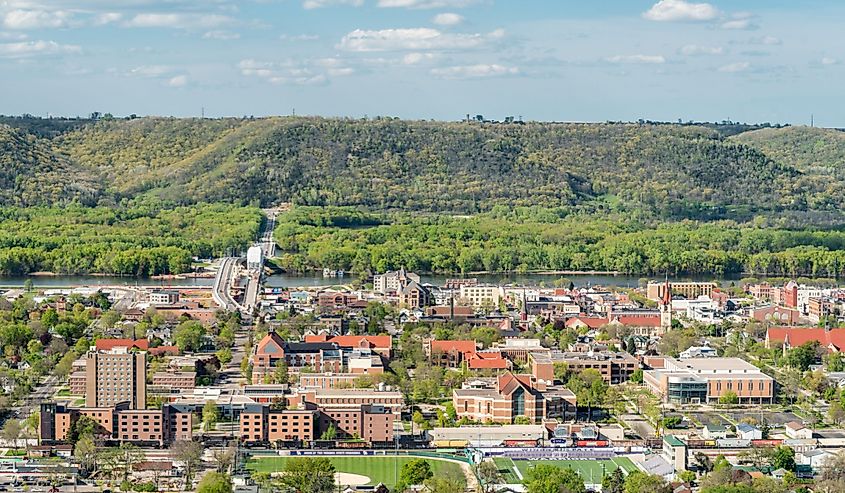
column 481, row 296
column 393, row 281
column 115, row 376
column 655, row 291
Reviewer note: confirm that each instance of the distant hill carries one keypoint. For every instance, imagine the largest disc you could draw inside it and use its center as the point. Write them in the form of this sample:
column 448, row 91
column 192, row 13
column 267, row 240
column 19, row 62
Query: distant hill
column 32, row 174
column 650, row 171
column 805, row 148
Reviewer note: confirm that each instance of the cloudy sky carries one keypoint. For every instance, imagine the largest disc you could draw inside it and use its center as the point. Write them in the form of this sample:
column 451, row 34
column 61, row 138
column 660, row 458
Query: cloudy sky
column 565, row 60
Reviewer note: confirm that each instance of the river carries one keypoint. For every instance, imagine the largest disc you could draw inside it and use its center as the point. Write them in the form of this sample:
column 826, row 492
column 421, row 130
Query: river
column 316, row 279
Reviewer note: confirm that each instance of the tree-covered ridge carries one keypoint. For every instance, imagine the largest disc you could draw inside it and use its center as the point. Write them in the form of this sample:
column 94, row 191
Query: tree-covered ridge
column 31, row 174
column 132, row 239
column 534, row 240
column 654, row 171
column 805, row 148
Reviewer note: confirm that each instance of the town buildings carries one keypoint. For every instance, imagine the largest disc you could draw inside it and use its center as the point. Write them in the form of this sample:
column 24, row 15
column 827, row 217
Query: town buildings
column 705, row 380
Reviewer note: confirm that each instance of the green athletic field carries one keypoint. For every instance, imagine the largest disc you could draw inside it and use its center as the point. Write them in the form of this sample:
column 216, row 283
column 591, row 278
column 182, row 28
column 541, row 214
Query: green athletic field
column 380, row 469
column 585, row 468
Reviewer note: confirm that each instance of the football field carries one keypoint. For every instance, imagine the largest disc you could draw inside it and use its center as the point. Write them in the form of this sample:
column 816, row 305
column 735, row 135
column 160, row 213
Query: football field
column 378, row 469
column 591, row 470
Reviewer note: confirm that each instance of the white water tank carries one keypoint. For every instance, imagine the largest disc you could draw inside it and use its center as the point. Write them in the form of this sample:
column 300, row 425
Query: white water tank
column 254, row 258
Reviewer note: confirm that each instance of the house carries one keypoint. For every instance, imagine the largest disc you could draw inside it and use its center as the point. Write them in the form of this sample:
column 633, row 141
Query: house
column 714, row 432
column 797, row 430
column 449, row 354
column 813, row 458
column 748, row 432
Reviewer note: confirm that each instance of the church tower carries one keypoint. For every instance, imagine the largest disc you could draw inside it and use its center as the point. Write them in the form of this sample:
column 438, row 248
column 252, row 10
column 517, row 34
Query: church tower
column 666, row 306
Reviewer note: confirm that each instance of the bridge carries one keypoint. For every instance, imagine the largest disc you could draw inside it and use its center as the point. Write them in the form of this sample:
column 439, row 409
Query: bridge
column 231, row 270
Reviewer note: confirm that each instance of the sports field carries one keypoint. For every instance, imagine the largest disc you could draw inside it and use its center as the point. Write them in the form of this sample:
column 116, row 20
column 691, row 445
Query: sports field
column 590, row 470
column 379, row 469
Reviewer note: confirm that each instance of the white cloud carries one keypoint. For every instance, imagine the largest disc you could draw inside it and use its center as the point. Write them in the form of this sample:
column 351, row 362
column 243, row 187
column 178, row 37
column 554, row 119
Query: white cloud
column 35, row 19
column 739, row 25
column 765, row 40
column 28, row 49
column 735, row 67
column 695, row 50
column 151, row 71
column 179, row 21
column 425, row 4
column 474, row 71
column 416, row 39
column 178, row 81
column 107, row 18
column 447, row 19
column 292, row 72
column 416, row 58
column 299, row 37
column 316, row 4
column 681, row 10
column 221, row 35
column 646, row 59
column 12, row 36
column 829, row 61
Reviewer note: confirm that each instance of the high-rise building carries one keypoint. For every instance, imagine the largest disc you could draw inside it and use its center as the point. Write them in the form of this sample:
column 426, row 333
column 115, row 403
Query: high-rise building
column 114, row 376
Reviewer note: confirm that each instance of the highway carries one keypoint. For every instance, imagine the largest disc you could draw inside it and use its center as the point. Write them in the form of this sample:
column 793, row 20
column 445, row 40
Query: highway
column 220, row 290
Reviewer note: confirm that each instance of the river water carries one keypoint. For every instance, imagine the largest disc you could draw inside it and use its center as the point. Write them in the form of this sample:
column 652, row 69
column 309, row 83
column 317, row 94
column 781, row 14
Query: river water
column 316, row 279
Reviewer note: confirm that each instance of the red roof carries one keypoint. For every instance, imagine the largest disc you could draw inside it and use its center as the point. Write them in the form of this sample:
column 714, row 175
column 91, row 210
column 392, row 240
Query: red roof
column 171, row 350
column 591, row 322
column 639, row 320
column 487, row 359
column 800, row 335
column 376, row 342
column 449, row 346
column 109, row 344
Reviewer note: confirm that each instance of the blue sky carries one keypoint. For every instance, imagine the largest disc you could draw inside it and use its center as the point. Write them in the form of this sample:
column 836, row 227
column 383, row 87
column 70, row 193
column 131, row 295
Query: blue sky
column 559, row 60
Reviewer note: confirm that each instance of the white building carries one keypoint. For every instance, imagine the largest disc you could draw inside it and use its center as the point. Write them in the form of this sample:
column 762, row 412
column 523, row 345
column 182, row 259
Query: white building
column 393, row 281
column 479, row 296
column 254, row 258
column 698, row 352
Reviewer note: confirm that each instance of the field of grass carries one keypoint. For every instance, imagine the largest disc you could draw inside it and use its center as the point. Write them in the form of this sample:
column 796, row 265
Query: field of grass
column 380, row 469
column 590, row 470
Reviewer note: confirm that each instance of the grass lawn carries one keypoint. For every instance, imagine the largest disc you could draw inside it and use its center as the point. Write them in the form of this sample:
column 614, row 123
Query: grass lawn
column 588, row 469
column 380, row 469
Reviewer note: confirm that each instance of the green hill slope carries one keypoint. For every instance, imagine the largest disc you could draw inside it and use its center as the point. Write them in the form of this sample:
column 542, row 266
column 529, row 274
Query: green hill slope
column 662, row 172
column 31, row 174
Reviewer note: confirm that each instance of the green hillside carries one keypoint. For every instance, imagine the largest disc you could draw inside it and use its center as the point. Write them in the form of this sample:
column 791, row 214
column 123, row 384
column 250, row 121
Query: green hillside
column 31, row 174
column 648, row 171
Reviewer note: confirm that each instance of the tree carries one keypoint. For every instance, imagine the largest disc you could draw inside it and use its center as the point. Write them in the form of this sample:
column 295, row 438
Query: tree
column 637, row 376
column 729, row 398
column 784, row 458
column 522, row 420
column 545, row 478
column 215, row 482
column 614, row 482
column 834, row 362
column 85, row 454
column 836, row 413
column 686, row 476
column 413, row 472
column 224, row 355
column 311, row 475
column 640, row 482
column 129, row 455
column 489, row 476
column 210, row 415
column 84, row 426
column 450, row 482
column 223, row 458
column 330, row 433
column 188, row 335
column 280, row 374
column 12, row 431
column 803, row 356
column 190, row 455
